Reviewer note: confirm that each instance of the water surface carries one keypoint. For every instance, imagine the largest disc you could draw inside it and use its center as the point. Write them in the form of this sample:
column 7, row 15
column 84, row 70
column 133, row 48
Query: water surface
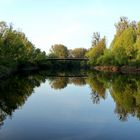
column 64, row 107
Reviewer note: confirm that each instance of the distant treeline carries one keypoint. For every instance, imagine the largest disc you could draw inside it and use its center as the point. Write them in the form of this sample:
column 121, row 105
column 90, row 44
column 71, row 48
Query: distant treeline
column 124, row 49
column 17, row 52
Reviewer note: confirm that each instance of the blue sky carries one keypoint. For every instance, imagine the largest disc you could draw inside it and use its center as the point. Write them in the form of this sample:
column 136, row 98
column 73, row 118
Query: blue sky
column 69, row 22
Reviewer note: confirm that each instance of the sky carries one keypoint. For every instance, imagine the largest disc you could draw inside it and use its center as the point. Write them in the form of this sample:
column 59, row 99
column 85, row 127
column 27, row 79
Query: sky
column 67, row 22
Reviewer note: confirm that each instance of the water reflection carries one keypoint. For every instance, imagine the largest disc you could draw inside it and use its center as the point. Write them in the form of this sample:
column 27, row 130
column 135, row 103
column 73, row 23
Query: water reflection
column 126, row 95
column 15, row 91
column 59, row 82
column 124, row 89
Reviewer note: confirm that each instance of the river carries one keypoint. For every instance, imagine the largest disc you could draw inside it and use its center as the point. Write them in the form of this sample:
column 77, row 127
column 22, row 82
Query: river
column 63, row 106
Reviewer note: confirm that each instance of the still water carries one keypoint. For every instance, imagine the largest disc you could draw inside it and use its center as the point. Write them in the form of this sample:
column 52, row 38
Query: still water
column 68, row 107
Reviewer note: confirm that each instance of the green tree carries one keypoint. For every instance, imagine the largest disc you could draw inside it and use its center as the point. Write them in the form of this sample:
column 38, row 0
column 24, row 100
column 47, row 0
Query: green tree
column 137, row 45
column 16, row 50
column 96, row 38
column 59, row 50
column 107, row 59
column 97, row 50
column 123, row 46
column 122, row 25
column 78, row 53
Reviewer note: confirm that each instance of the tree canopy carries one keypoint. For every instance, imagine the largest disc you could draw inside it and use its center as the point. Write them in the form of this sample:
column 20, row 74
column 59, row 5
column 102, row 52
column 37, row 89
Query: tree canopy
column 78, row 53
column 15, row 49
column 59, row 50
column 97, row 49
column 124, row 49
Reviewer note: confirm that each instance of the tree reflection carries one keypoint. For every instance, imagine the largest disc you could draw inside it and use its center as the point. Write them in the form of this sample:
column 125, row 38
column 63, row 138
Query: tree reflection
column 126, row 93
column 124, row 89
column 79, row 81
column 15, row 91
column 98, row 90
column 59, row 82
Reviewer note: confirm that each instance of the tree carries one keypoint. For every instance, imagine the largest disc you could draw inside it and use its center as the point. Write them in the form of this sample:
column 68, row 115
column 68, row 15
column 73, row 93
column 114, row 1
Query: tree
column 97, row 51
column 107, row 58
column 78, row 53
column 120, row 56
column 122, row 25
column 123, row 46
column 137, row 45
column 59, row 51
column 96, row 38
column 16, row 49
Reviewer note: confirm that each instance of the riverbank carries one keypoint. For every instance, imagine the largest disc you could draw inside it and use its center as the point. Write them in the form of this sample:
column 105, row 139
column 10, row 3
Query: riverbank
column 6, row 71
column 118, row 69
column 9, row 69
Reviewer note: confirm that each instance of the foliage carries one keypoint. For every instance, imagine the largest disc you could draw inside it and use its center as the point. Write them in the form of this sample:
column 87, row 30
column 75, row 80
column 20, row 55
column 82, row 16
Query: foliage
column 97, row 50
column 95, row 39
column 59, row 51
column 78, row 53
column 124, row 49
column 107, row 58
column 16, row 49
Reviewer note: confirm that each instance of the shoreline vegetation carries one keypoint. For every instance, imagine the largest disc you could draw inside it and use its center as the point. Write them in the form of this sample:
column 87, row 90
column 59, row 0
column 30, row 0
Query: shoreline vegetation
column 123, row 54
column 17, row 53
column 117, row 69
